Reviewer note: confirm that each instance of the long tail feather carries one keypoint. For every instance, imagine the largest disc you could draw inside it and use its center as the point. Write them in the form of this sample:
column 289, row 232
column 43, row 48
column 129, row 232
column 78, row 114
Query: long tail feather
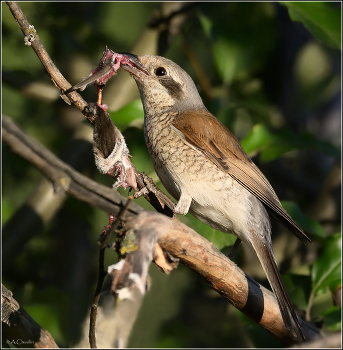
column 267, row 259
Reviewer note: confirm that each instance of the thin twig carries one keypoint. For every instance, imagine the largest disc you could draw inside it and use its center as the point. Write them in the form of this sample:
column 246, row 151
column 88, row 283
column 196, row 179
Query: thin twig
column 94, row 308
column 107, row 236
column 58, row 79
column 102, row 273
column 198, row 68
column 163, row 21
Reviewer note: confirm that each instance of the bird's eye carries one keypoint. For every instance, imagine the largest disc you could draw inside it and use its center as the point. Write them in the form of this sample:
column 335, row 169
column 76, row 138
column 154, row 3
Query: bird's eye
column 160, row 71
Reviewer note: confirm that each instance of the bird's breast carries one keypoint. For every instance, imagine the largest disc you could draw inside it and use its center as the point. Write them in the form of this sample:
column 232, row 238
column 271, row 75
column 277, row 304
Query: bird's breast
column 169, row 153
column 179, row 166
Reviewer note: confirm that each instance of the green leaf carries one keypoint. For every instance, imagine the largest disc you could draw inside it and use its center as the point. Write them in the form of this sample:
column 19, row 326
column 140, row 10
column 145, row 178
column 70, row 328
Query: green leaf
column 6, row 210
column 229, row 58
column 206, row 23
column 326, row 271
column 270, row 145
column 333, row 319
column 128, row 114
column 285, row 141
column 308, row 225
column 322, row 19
column 258, row 139
column 274, row 145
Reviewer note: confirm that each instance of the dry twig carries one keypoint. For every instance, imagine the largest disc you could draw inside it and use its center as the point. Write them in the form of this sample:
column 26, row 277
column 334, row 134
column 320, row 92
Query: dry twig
column 102, row 274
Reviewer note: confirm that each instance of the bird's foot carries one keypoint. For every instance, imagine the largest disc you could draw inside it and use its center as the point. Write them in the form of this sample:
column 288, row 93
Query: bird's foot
column 151, row 187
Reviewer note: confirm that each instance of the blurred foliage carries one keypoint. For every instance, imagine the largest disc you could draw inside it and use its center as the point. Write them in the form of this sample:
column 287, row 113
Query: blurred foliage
column 326, row 271
column 270, row 72
column 321, row 18
column 308, row 225
column 333, row 319
column 326, row 276
column 273, row 145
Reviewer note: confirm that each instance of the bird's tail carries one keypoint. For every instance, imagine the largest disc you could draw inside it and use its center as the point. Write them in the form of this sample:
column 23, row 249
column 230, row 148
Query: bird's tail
column 266, row 256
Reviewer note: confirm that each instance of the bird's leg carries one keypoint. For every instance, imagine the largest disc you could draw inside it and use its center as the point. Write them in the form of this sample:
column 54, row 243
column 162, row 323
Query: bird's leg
column 99, row 102
column 100, row 89
column 183, row 204
column 234, row 248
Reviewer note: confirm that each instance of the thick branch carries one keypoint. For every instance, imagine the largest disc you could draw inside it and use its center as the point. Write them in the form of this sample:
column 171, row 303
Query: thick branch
column 197, row 253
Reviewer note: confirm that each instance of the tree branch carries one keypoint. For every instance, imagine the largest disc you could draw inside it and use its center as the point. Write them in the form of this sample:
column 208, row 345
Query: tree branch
column 63, row 177
column 197, row 253
column 19, row 328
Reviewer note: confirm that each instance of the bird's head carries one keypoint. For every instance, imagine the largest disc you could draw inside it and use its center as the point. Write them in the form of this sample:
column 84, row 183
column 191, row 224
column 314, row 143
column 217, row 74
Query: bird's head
column 163, row 85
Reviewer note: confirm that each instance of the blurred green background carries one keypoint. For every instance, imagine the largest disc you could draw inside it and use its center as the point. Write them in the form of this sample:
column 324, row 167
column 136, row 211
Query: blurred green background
column 271, row 72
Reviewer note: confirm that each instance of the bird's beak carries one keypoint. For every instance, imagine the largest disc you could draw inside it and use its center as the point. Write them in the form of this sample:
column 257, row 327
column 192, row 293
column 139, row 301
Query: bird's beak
column 132, row 64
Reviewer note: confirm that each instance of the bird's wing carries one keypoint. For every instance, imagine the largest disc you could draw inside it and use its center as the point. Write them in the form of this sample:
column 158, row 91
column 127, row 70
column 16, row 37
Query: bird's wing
column 206, row 133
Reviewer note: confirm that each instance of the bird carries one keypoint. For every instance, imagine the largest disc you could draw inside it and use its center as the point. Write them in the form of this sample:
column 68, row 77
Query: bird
column 204, row 167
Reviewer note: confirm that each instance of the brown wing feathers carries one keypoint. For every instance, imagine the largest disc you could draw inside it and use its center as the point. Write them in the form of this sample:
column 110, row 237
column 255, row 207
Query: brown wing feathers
column 206, row 133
